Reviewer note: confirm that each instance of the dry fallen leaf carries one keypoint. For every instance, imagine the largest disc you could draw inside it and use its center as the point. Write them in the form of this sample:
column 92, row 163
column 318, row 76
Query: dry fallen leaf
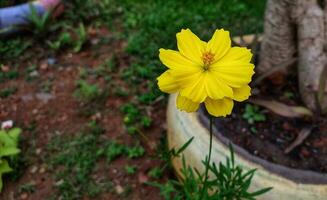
column 282, row 109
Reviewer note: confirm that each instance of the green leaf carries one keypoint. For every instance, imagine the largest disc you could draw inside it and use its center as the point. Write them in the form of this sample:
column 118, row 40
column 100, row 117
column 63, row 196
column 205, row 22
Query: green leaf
column 8, row 151
column 15, row 133
column 4, row 168
column 260, row 192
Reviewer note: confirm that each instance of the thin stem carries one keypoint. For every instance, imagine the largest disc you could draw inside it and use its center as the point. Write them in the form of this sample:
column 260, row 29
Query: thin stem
column 208, row 159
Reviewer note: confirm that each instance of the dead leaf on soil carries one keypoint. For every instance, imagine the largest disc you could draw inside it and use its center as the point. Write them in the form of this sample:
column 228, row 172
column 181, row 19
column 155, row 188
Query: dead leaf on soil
column 304, row 133
column 282, row 109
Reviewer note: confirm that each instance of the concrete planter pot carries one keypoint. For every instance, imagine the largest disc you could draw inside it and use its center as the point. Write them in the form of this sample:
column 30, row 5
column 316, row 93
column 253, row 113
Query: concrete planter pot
column 287, row 183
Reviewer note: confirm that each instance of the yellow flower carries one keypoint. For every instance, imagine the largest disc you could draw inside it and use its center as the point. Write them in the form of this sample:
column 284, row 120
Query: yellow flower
column 211, row 72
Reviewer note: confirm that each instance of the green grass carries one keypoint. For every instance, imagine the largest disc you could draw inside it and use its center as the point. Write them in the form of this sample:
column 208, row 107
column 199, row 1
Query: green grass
column 77, row 156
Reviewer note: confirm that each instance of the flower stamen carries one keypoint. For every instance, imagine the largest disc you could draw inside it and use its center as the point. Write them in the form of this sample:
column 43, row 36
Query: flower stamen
column 207, row 58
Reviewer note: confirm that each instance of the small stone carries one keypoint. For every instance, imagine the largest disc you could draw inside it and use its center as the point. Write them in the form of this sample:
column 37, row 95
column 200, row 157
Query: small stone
column 34, row 169
column 119, row 189
column 5, row 68
column 24, row 196
column 44, row 97
column 96, row 117
column 52, row 61
column 60, row 182
column 35, row 111
column 38, row 151
column 34, row 74
column 42, row 170
column 44, row 66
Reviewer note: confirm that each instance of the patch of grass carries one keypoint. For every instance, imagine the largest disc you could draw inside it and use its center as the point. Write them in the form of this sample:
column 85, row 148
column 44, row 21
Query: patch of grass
column 155, row 172
column 10, row 49
column 75, row 158
column 135, row 152
column 130, row 169
column 86, row 92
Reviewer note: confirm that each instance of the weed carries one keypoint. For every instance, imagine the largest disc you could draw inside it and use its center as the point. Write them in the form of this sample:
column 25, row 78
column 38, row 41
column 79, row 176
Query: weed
column 39, row 23
column 82, row 38
column 4, row 93
column 135, row 152
column 229, row 181
column 252, row 114
column 130, row 169
column 77, row 157
column 113, row 150
column 155, row 172
column 27, row 187
column 86, row 92
column 8, row 148
column 11, row 49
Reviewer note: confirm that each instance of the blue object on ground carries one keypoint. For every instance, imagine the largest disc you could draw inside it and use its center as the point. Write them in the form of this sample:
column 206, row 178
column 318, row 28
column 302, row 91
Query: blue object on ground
column 17, row 15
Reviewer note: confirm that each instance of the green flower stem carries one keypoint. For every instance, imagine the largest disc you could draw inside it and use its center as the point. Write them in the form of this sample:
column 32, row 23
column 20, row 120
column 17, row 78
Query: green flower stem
column 208, row 159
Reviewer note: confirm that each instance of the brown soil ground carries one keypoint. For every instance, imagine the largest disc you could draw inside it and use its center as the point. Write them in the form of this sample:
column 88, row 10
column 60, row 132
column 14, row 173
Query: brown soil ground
column 61, row 114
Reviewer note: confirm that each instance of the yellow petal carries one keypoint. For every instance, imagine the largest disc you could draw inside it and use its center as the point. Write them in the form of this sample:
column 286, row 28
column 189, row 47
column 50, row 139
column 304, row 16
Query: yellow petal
column 242, row 93
column 237, row 54
column 175, row 60
column 186, row 104
column 219, row 44
column 190, row 45
column 216, row 88
column 219, row 108
column 235, row 73
column 196, row 91
column 167, row 83
column 185, row 80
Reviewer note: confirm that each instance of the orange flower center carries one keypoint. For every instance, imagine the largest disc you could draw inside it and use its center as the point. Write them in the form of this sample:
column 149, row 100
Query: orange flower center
column 207, row 58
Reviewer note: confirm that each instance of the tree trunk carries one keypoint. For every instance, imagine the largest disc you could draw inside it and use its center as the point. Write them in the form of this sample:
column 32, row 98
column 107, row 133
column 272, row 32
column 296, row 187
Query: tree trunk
column 297, row 28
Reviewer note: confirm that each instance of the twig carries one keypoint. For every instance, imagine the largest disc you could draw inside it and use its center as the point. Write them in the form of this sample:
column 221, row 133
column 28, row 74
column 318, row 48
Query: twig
column 304, row 133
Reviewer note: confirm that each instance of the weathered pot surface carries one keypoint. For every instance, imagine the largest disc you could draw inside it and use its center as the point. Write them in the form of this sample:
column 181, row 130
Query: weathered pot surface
column 287, row 183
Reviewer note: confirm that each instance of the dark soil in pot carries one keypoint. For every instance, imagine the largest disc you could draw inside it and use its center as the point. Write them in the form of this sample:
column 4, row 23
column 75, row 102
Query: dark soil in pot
column 270, row 138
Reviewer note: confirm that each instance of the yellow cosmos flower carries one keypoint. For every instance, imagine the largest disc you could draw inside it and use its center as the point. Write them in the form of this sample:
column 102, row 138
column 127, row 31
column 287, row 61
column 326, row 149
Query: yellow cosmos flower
column 211, row 72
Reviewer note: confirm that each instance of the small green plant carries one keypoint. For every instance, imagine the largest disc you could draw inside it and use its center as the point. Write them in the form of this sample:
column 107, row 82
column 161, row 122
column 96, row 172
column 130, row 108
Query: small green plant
column 155, row 172
column 135, row 152
column 11, row 49
column 4, row 93
column 86, row 92
column 39, row 22
column 82, row 38
column 113, row 150
column 229, row 182
column 8, row 148
column 63, row 40
column 130, row 169
column 252, row 114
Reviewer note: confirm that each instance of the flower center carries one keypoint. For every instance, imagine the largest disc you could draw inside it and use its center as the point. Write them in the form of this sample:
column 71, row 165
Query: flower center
column 207, row 58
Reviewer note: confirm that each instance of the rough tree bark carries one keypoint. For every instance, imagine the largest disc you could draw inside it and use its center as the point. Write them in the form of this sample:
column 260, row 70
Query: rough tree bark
column 297, row 28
